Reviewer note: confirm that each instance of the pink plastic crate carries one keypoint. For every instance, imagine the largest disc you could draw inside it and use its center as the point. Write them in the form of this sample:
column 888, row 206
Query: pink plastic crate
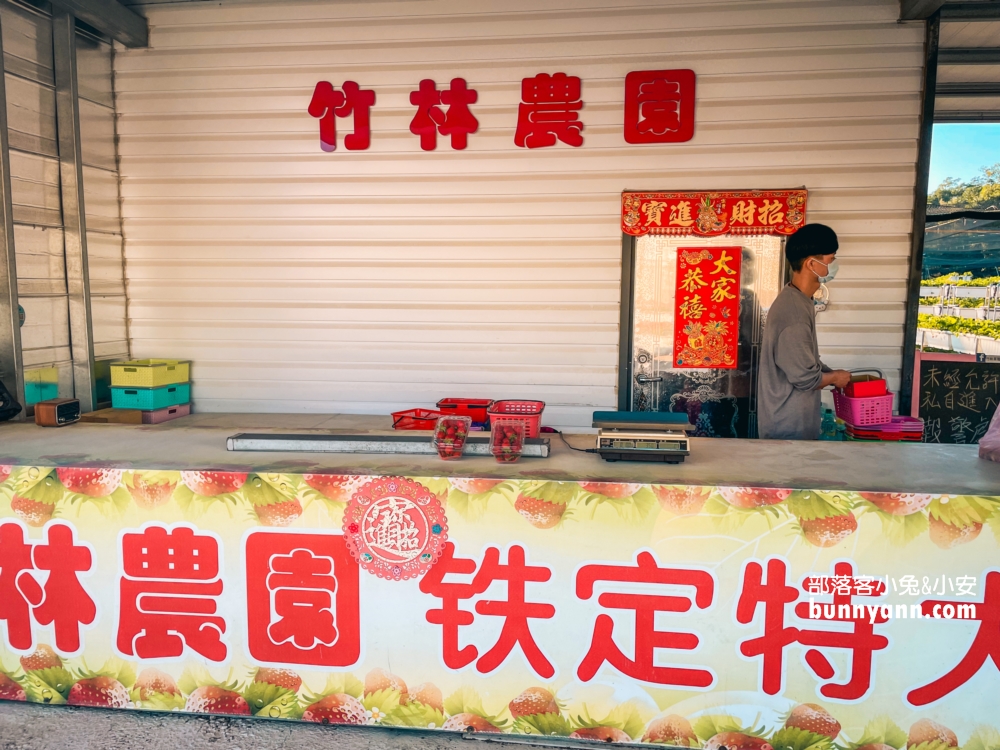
column 165, row 415
column 863, row 412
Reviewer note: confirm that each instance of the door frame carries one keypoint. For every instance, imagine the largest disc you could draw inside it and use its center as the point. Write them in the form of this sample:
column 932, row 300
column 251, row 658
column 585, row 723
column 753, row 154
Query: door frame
column 626, row 309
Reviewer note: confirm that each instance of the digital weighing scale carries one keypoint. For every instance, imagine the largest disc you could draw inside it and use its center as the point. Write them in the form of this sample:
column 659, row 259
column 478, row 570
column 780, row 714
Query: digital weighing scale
column 642, row 436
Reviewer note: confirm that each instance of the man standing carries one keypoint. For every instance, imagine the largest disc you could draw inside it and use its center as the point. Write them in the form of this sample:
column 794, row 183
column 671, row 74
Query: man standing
column 791, row 374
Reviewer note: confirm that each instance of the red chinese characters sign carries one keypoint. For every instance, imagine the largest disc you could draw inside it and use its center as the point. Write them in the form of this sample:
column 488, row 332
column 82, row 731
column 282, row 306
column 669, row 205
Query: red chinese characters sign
column 659, row 108
column 707, row 307
column 710, row 214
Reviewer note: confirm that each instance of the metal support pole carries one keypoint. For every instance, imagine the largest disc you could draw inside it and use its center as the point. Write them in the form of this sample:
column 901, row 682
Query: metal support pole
column 919, row 213
column 625, row 323
column 11, row 365
column 81, row 327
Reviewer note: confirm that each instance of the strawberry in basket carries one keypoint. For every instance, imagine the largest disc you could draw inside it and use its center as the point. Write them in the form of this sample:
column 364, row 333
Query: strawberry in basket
column 449, row 436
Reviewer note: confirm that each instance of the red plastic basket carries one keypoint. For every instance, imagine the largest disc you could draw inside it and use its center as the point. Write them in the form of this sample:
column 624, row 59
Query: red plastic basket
column 529, row 413
column 866, row 388
column 474, row 408
column 863, row 412
column 415, row 419
column 866, row 385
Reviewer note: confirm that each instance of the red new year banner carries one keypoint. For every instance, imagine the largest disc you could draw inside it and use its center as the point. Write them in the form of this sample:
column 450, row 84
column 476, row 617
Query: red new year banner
column 707, row 307
column 715, row 213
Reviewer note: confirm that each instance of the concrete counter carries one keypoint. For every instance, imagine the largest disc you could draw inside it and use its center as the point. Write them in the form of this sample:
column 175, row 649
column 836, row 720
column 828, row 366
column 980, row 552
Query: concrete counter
column 199, row 441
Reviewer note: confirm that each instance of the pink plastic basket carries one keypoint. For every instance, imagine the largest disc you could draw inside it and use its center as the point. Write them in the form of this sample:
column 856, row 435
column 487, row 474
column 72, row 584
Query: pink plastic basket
column 863, row 412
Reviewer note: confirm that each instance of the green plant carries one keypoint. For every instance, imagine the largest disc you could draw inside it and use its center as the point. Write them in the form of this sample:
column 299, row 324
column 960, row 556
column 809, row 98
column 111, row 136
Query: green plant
column 965, row 302
column 952, row 324
column 953, row 280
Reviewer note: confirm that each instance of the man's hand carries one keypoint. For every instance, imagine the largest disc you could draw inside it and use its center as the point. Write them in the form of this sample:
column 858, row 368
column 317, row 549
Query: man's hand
column 836, row 378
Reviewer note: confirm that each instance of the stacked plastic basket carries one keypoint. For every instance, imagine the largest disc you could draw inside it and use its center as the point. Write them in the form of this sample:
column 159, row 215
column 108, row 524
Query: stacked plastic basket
column 159, row 388
column 865, row 406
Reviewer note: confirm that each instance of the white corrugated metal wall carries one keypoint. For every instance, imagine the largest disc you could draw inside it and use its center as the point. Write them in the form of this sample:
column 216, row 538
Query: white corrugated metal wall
column 367, row 281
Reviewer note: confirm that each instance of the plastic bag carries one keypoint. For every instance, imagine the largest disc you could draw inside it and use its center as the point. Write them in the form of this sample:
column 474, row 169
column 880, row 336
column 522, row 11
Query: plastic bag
column 9, row 408
column 989, row 444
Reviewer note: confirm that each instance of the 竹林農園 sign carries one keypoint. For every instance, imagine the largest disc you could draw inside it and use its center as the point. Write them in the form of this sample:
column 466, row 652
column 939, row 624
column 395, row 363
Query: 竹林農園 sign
column 659, row 108
column 701, row 616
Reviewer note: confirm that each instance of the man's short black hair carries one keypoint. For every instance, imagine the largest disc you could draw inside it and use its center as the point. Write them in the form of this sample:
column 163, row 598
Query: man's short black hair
column 810, row 240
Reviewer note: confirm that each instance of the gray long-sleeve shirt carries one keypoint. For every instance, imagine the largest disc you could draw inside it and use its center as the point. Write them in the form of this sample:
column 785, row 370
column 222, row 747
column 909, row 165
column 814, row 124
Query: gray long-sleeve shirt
column 790, row 371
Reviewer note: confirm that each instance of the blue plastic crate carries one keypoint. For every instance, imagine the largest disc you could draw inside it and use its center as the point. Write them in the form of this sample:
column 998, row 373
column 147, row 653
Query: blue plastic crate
column 148, row 399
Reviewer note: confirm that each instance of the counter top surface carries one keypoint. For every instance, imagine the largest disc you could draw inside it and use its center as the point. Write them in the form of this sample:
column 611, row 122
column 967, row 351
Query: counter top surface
column 199, row 442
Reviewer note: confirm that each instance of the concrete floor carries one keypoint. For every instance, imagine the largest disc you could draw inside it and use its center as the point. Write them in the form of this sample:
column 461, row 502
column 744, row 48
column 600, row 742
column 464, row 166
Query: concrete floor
column 26, row 726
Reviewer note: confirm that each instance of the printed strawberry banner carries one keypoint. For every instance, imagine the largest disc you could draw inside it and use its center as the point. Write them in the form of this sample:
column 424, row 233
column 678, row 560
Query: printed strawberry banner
column 698, row 616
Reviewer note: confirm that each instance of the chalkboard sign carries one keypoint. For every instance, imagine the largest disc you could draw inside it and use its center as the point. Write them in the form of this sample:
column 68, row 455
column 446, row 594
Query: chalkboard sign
column 958, row 399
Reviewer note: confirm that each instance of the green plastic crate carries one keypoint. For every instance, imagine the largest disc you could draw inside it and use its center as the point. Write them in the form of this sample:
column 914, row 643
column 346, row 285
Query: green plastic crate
column 148, row 399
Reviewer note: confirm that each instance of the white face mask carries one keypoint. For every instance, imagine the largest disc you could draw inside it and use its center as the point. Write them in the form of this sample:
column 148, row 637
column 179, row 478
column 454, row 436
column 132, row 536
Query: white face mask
column 831, row 271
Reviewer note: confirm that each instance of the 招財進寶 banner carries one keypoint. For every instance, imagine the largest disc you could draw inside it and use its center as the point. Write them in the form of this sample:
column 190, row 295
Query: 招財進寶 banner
column 699, row 616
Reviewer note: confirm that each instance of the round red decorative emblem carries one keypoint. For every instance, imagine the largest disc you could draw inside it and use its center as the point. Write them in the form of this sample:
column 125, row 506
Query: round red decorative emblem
column 395, row 528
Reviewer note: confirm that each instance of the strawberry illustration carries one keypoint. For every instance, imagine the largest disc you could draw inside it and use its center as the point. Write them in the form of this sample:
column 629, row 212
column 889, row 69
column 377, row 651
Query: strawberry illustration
column 544, row 503
column 825, row 518
column 151, row 489
column 926, row 730
column 210, row 483
column 540, row 513
column 31, row 512
column 43, row 657
column 534, row 700
column 611, row 489
column 35, row 501
column 737, row 741
column 105, row 692
column 5, row 470
column 210, row 699
column 283, row 678
column 152, row 681
column 946, row 535
column 429, row 694
column 829, row 531
column 898, row 503
column 92, row 482
column 671, row 730
column 474, row 486
column 379, row 679
column 753, row 497
column 812, row 718
column 338, row 708
column 466, row 722
column 601, row 734
column 682, row 500
column 339, row 487
column 10, row 690
column 279, row 514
